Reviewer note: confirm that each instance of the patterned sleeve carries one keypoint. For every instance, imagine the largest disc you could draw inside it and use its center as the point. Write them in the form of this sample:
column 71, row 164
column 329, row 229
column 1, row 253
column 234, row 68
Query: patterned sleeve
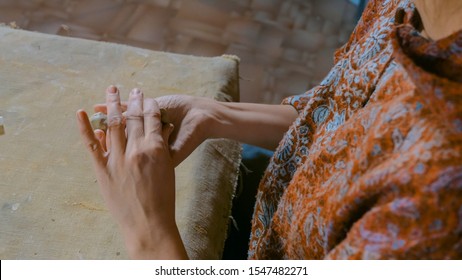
column 423, row 225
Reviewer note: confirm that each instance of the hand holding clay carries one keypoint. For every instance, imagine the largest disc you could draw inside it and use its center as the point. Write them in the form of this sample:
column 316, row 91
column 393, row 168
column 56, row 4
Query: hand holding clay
column 136, row 174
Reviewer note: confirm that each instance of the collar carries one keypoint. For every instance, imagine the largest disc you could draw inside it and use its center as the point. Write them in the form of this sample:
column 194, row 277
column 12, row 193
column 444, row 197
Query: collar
column 435, row 67
column 442, row 58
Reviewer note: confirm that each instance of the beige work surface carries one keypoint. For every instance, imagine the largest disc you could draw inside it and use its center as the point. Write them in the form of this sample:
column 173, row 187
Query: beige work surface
column 50, row 206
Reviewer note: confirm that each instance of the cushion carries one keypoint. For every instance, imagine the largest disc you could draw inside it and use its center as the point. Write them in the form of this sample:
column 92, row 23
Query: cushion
column 50, row 202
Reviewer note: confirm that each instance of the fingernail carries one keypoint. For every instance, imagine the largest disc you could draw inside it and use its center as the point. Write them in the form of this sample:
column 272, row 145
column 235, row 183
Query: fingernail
column 112, row 89
column 79, row 115
column 136, row 91
column 171, row 127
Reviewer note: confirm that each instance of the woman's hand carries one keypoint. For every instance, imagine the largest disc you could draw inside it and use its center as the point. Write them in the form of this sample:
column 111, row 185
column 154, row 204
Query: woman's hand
column 192, row 119
column 197, row 119
column 136, row 175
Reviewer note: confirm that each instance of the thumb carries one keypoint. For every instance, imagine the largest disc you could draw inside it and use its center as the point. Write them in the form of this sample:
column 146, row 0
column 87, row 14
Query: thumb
column 167, row 130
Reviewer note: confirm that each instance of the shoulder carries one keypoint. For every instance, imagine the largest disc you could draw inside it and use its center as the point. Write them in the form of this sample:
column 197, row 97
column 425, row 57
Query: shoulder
column 378, row 16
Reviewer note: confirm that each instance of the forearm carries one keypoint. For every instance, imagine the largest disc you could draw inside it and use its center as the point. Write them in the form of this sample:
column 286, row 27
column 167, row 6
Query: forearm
column 256, row 124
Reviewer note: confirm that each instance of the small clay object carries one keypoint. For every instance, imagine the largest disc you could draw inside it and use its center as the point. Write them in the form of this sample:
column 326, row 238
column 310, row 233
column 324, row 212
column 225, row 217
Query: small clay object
column 99, row 121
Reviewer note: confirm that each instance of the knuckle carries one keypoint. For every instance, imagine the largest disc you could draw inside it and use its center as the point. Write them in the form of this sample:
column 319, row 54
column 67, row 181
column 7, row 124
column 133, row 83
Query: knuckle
column 157, row 149
column 151, row 114
column 154, row 147
column 136, row 157
column 114, row 121
column 153, row 153
column 133, row 117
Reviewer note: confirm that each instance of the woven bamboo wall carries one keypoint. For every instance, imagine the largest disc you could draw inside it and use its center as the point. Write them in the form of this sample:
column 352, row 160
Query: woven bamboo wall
column 285, row 46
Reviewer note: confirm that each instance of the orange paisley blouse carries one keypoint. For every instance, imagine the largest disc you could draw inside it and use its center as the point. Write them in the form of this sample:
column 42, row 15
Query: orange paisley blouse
column 372, row 167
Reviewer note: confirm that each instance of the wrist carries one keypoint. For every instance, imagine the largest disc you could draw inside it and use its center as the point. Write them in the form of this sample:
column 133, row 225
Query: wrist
column 157, row 242
column 229, row 120
column 212, row 115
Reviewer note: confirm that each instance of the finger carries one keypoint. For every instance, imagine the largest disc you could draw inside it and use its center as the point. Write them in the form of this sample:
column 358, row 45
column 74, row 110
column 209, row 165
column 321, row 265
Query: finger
column 167, row 130
column 101, row 136
column 178, row 153
column 90, row 140
column 182, row 146
column 101, row 107
column 116, row 127
column 108, row 140
column 152, row 119
column 134, row 116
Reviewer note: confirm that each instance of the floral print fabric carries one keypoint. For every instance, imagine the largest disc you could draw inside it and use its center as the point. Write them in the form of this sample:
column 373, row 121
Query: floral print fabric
column 372, row 167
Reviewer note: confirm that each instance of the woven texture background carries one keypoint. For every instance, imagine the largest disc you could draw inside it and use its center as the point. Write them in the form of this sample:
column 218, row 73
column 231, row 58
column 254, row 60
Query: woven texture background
column 285, row 46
